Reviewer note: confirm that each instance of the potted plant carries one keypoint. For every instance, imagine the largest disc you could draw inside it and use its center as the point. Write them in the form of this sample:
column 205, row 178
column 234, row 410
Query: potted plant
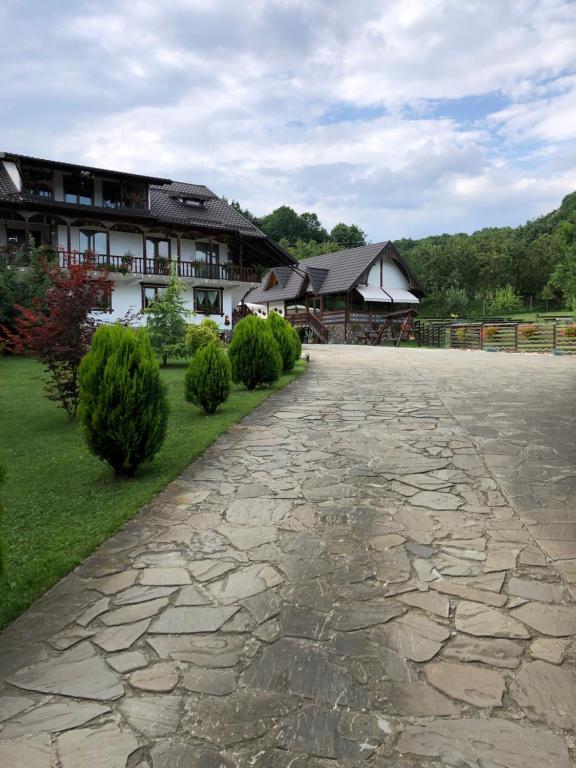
column 163, row 265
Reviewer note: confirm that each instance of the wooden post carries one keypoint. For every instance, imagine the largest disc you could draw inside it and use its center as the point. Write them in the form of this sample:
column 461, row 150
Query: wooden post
column 144, row 269
column 346, row 317
column 68, row 241
column 178, row 253
column 554, row 336
column 27, row 238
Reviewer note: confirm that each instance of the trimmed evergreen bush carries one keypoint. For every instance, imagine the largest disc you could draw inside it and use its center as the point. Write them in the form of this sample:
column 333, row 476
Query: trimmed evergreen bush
column 281, row 331
column 200, row 335
column 296, row 343
column 254, row 353
column 123, row 406
column 208, row 378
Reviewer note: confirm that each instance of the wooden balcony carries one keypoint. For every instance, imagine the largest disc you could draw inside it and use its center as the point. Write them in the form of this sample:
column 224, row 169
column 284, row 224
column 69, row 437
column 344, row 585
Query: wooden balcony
column 139, row 265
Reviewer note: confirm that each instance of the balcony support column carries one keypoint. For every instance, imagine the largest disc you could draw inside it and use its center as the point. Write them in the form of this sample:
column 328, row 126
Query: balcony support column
column 178, row 253
column 27, row 237
column 144, row 252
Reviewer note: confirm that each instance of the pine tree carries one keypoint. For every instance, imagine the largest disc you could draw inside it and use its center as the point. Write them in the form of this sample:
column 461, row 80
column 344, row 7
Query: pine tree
column 254, row 353
column 166, row 321
column 208, row 378
column 123, row 405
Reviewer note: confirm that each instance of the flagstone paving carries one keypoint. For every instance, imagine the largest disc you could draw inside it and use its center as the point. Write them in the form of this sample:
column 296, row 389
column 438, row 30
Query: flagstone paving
column 377, row 567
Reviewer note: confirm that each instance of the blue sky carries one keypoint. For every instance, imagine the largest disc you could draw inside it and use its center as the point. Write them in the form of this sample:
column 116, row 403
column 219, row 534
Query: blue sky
column 408, row 117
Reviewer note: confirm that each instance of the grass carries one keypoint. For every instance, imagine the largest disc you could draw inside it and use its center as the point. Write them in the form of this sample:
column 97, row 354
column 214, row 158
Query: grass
column 60, row 502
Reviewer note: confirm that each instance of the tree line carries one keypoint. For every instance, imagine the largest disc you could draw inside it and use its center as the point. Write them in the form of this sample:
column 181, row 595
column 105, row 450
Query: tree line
column 534, row 263
column 302, row 234
column 494, row 270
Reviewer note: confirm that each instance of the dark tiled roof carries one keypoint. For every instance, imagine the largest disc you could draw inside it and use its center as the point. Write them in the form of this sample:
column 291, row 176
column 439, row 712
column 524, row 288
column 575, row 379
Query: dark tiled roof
column 216, row 214
column 283, row 274
column 335, row 272
column 344, row 267
column 329, row 273
column 317, row 277
column 165, row 208
column 293, row 288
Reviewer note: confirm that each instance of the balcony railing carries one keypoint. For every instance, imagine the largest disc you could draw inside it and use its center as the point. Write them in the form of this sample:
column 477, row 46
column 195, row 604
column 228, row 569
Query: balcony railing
column 138, row 265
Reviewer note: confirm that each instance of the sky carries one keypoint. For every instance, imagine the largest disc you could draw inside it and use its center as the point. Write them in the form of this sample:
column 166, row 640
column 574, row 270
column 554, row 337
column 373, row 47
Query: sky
column 406, row 117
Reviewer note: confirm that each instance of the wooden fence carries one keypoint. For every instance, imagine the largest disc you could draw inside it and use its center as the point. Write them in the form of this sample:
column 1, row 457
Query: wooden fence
column 514, row 337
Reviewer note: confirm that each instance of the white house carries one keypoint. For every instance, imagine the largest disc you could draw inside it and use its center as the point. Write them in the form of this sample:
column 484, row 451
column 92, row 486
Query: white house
column 139, row 228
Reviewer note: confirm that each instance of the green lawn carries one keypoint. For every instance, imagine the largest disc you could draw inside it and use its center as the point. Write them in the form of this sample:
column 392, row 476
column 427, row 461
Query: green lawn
column 59, row 501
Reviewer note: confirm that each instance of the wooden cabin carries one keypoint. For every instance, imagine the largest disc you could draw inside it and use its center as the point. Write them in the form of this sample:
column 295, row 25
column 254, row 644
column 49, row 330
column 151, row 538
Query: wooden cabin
column 359, row 294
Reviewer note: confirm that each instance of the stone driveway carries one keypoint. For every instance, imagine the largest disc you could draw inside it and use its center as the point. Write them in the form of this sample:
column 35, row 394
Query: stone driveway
column 376, row 568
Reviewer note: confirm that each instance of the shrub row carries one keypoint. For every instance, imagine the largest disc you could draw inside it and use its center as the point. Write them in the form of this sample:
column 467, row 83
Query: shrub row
column 123, row 408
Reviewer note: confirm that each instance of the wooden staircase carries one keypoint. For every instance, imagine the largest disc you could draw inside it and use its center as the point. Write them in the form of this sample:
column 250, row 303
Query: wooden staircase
column 308, row 320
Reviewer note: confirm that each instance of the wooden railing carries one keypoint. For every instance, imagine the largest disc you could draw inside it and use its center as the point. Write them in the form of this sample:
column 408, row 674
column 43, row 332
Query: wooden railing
column 514, row 337
column 309, row 320
column 141, row 266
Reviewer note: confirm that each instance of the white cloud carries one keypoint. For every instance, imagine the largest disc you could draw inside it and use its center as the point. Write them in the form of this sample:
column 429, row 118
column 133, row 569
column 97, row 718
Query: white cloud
column 322, row 104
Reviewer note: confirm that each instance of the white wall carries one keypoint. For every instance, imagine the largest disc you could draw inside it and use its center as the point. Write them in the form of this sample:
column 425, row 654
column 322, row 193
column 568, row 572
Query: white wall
column 127, row 297
column 386, row 273
column 13, row 172
column 122, row 242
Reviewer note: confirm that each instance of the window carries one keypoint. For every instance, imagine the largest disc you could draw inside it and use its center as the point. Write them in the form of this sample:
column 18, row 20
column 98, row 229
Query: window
column 17, row 237
column 272, row 281
column 157, row 248
column 203, row 253
column 208, row 301
column 92, row 240
column 134, row 194
column 192, row 202
column 111, row 194
column 103, row 301
column 124, row 194
column 79, row 190
column 151, row 292
column 37, row 181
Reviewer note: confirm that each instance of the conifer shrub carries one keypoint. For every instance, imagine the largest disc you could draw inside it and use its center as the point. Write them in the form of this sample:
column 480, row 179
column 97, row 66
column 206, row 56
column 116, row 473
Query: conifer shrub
column 254, row 353
column 208, row 378
column 123, row 405
column 296, row 343
column 281, row 331
column 202, row 334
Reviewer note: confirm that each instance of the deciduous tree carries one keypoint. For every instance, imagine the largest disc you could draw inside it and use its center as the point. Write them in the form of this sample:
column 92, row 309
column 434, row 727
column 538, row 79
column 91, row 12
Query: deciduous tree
column 58, row 329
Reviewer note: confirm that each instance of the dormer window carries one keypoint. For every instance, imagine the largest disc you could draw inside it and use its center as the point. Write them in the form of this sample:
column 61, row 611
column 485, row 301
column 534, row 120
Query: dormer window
column 38, row 181
column 272, row 281
column 79, row 189
column 192, row 202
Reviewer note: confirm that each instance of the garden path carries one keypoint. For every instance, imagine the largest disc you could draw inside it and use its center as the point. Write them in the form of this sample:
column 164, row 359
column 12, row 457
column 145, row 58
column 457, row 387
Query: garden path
column 376, row 567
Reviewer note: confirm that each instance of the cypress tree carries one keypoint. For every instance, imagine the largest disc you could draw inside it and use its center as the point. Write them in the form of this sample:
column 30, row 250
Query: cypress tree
column 296, row 343
column 254, row 353
column 208, row 378
column 123, row 406
column 281, row 331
